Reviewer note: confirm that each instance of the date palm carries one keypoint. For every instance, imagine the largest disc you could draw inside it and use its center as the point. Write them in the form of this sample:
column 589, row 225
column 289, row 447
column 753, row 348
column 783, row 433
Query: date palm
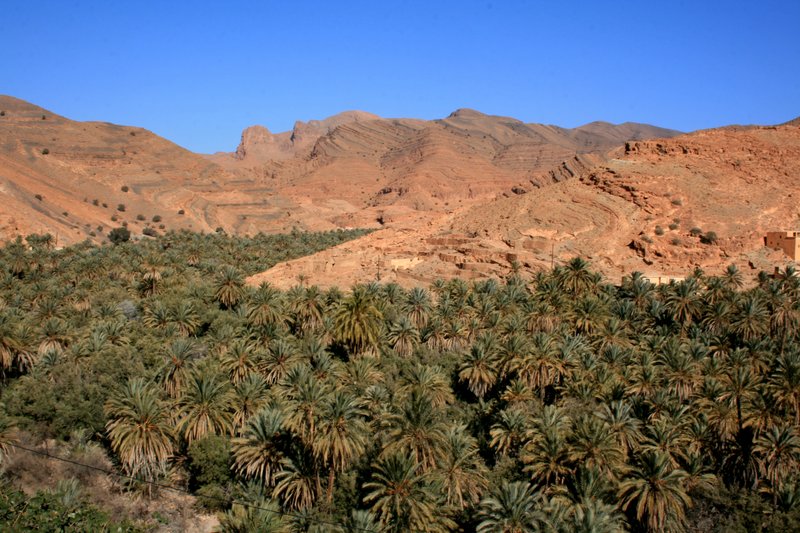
column 779, row 449
column 205, row 406
column 418, row 307
column 240, row 360
column 250, row 395
column 511, row 508
column 139, row 428
column 655, row 492
column 479, row 368
column 229, row 287
column 594, row 445
column 427, row 380
column 342, row 435
column 257, row 453
column 296, row 482
column 401, row 495
column 280, row 357
column 357, row 321
column 403, row 336
column 509, row 431
column 175, row 370
column 185, row 317
column 417, row 429
column 461, row 472
column 266, row 306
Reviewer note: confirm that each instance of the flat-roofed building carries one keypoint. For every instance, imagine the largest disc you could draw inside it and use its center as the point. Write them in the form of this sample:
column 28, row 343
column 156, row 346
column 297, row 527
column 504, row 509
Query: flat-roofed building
column 784, row 240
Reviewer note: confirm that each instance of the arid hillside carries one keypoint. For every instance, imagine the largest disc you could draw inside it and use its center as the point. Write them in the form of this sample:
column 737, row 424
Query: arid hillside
column 662, row 207
column 380, row 165
column 77, row 180
column 74, row 179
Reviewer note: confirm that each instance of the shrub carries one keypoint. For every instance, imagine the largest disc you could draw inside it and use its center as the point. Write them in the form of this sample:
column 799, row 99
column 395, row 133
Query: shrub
column 45, row 151
column 647, row 239
column 675, row 242
column 695, row 231
column 181, row 211
column 156, row 218
column 100, row 229
column 38, row 197
column 105, row 204
column 220, row 229
column 44, row 117
column 65, row 214
column 95, row 202
column 125, row 188
column 120, row 207
column 709, row 238
column 677, row 201
column 659, row 230
column 114, row 218
column 150, row 232
column 161, row 226
column 124, row 224
column 2, row 113
column 118, row 235
column 673, row 226
column 139, row 217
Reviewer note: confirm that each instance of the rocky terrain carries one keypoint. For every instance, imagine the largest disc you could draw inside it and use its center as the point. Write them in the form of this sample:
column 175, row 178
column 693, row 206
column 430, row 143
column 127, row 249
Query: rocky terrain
column 469, row 195
column 662, row 207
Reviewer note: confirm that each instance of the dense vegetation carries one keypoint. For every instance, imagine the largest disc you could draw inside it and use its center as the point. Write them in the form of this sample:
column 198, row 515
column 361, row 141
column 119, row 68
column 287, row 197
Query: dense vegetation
column 560, row 403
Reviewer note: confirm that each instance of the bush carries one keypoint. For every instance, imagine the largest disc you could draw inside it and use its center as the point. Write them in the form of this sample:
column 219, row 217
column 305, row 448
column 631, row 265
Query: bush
column 2, row 113
column 150, row 232
column 659, row 230
column 647, row 239
column 675, row 242
column 65, row 214
column 44, row 117
column 156, row 218
column 673, row 226
column 140, row 217
column 181, row 211
column 120, row 207
column 95, row 202
column 45, row 151
column 118, row 235
column 695, row 231
column 677, row 201
column 38, row 197
column 114, row 218
column 709, row 238
column 125, row 188
column 105, row 204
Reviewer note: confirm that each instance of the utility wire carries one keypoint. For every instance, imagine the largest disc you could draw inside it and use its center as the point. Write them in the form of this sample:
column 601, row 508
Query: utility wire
column 178, row 489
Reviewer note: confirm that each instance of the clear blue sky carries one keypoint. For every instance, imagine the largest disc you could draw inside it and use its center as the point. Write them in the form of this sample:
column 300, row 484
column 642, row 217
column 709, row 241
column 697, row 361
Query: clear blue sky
column 199, row 72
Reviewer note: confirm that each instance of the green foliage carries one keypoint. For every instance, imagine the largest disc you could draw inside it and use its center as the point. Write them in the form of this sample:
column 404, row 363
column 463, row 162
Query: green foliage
column 119, row 235
column 709, row 237
column 53, row 512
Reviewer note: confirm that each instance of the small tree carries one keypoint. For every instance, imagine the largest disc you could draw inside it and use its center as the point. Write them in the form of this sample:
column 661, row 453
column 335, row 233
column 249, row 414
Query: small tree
column 121, row 207
column 125, row 188
column 118, row 235
column 709, row 238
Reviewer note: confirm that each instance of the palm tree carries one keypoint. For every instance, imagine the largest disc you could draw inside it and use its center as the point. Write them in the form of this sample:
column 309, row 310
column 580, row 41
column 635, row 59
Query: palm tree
column 479, row 366
column 509, row 431
column 239, row 360
column 511, row 508
column 185, row 317
column 250, row 395
column 401, row 495
column 785, row 383
column 296, row 483
column 779, row 449
column 357, row 321
column 230, row 287
column 403, row 336
column 461, row 472
column 280, row 357
column 266, row 306
column 594, row 445
column 576, row 278
column 8, row 436
column 342, row 435
column 139, row 429
column 260, row 515
column 257, row 453
column 175, row 370
column 655, row 491
column 418, row 306
column 593, row 516
column 205, row 407
column 418, row 430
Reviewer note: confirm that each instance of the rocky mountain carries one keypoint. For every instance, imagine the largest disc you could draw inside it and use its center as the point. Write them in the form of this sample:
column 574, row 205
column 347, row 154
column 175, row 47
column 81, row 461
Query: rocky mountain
column 662, row 207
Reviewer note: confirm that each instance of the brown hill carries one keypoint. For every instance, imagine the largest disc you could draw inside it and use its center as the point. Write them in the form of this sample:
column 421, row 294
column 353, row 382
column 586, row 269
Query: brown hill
column 644, row 209
column 66, row 177
column 425, row 165
column 352, row 169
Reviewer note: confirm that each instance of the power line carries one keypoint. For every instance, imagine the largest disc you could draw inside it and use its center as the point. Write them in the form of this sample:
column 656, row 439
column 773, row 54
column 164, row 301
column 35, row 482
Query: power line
column 177, row 489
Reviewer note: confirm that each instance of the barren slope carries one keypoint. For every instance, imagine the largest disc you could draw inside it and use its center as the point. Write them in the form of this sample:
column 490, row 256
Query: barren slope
column 738, row 182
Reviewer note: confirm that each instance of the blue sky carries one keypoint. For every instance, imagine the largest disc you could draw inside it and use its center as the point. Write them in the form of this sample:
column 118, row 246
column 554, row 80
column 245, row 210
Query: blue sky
column 199, row 72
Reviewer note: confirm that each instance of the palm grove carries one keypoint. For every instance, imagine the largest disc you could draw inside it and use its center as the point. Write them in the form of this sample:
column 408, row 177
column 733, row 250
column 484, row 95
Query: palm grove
column 560, row 403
